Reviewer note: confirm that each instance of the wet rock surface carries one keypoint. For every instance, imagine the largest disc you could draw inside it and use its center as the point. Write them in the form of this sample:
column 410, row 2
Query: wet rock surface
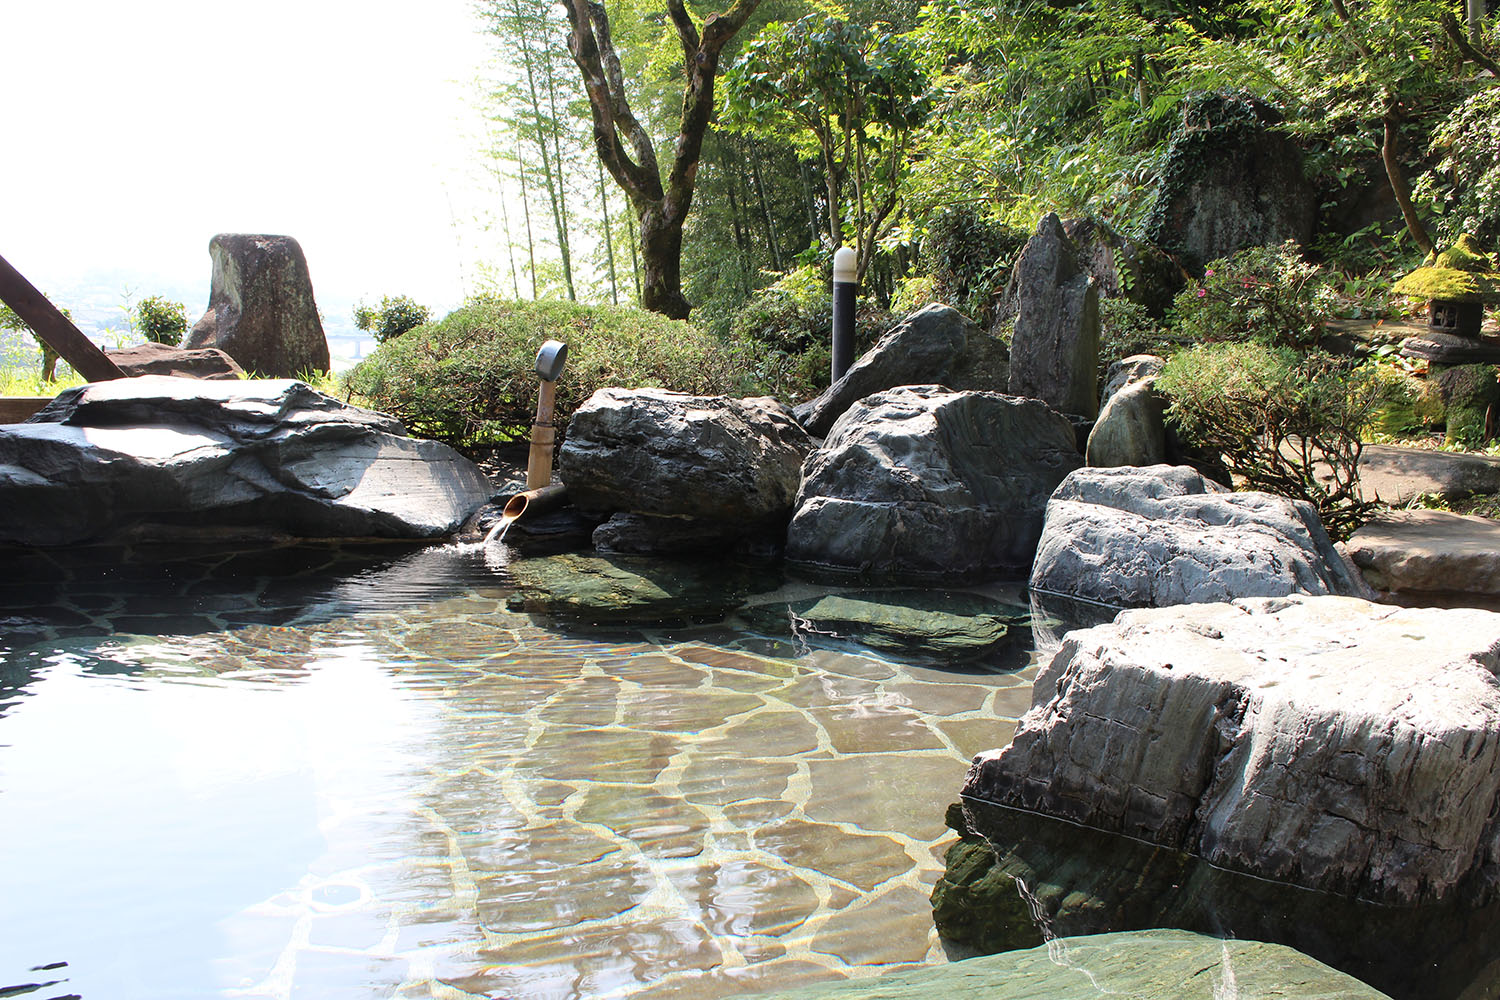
column 167, row 457
column 923, row 349
column 922, row 482
column 1337, row 744
column 1164, row 535
column 1142, row 964
column 1016, row 878
column 618, row 590
column 731, row 462
column 947, row 626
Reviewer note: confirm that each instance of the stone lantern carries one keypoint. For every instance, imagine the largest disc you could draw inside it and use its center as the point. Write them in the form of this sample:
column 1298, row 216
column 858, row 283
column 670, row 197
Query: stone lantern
column 1457, row 283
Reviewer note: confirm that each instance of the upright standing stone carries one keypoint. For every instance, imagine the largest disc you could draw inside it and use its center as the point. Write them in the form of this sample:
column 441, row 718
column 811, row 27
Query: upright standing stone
column 260, row 307
column 1231, row 180
column 1054, row 354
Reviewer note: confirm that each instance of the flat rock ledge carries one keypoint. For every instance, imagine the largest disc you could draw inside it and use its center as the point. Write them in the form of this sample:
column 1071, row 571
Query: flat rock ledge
column 162, row 457
column 1160, row 535
column 1429, row 552
column 1138, row 964
column 1328, row 742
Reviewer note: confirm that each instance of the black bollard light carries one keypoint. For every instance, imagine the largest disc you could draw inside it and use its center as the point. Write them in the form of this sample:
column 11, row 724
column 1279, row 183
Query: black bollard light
column 845, row 284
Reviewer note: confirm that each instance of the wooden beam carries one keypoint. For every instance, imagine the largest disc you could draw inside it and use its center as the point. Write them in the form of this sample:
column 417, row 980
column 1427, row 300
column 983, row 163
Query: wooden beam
column 53, row 327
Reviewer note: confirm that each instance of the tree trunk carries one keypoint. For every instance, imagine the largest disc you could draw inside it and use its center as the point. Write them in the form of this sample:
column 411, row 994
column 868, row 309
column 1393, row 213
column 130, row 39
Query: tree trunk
column 626, row 150
column 1402, row 190
column 566, row 243
column 1474, row 11
column 765, row 211
column 661, row 256
column 609, row 240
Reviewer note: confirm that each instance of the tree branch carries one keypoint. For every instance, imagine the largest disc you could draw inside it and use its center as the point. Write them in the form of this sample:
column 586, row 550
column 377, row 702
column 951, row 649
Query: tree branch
column 1450, row 27
column 1349, row 23
column 687, row 33
column 593, row 51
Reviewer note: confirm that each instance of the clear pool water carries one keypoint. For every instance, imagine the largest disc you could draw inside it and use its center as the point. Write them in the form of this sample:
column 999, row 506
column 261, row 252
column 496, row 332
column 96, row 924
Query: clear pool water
column 308, row 773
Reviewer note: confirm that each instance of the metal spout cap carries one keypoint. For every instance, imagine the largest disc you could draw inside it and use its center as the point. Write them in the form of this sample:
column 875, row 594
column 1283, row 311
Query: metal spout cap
column 844, row 267
column 550, row 360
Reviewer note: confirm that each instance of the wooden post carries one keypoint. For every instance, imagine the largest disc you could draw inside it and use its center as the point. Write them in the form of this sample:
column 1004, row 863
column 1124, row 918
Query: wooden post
column 53, row 327
column 543, row 436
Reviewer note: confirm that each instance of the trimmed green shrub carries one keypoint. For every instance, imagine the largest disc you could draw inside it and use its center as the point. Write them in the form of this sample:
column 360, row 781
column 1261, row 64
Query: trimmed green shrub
column 393, row 318
column 470, row 380
column 1284, row 422
column 160, row 320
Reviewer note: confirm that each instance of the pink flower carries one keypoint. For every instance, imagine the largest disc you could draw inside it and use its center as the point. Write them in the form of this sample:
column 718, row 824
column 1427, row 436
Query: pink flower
column 1202, row 292
column 1209, row 273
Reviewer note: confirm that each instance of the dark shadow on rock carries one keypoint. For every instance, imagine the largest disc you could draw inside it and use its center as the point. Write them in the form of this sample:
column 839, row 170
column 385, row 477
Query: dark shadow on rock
column 1015, row 879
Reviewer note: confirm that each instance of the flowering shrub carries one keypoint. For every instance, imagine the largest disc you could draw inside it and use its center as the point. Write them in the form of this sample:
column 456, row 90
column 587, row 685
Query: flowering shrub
column 1266, row 294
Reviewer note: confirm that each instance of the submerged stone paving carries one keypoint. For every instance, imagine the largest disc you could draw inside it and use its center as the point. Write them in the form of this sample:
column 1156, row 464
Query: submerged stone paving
column 698, row 814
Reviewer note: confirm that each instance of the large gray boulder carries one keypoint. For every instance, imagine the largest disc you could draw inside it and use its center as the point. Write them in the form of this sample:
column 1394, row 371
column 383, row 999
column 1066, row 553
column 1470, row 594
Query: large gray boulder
column 1330, row 742
column 1231, row 180
column 261, row 310
column 735, row 462
column 923, row 349
column 1429, row 552
column 1054, row 352
column 158, row 456
column 922, row 482
column 1163, row 535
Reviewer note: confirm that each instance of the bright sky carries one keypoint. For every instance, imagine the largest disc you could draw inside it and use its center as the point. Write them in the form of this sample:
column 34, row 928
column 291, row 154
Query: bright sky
column 136, row 131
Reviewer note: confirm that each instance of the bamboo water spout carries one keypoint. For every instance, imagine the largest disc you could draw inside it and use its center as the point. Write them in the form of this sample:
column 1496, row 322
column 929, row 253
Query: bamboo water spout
column 549, row 365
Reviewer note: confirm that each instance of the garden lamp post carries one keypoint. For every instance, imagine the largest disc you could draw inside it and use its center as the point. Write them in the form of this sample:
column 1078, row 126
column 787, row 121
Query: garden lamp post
column 845, row 284
column 549, row 365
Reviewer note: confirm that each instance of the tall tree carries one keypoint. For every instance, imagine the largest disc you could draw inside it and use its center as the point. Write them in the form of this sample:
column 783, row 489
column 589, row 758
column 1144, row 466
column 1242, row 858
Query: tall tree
column 858, row 93
column 627, row 150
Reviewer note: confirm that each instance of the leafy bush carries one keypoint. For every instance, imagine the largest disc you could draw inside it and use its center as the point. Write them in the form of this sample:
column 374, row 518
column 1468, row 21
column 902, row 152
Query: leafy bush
column 393, row 318
column 160, row 320
column 783, row 334
column 1267, row 294
column 1466, row 180
column 1281, row 420
column 969, row 257
column 470, row 379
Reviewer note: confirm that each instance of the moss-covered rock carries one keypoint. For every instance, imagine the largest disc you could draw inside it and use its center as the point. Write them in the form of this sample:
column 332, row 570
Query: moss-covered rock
column 1461, row 273
column 1468, row 393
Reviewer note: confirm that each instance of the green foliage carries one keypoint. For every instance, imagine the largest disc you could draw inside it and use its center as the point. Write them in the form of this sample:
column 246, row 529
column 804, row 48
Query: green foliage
column 851, row 94
column 1267, row 294
column 1465, row 182
column 469, row 379
column 1278, row 418
column 392, row 318
column 969, row 257
column 783, row 334
column 160, row 320
column 1127, row 328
